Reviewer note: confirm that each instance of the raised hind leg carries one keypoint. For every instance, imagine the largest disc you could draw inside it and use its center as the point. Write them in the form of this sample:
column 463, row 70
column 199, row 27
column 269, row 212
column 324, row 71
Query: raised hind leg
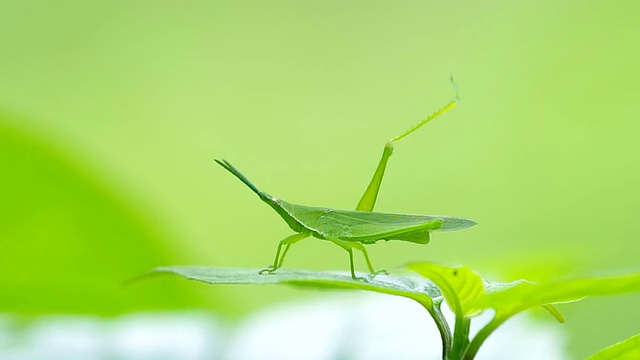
column 368, row 200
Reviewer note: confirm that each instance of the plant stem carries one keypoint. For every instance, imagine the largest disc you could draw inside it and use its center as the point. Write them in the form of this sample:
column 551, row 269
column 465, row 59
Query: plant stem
column 441, row 323
column 460, row 336
column 482, row 335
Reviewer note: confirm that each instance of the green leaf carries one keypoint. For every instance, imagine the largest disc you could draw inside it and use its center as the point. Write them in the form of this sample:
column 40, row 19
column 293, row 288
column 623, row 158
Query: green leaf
column 526, row 295
column 459, row 285
column 625, row 350
column 414, row 288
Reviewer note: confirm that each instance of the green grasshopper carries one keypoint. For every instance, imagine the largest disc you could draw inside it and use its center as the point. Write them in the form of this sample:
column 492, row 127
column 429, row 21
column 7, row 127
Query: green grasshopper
column 351, row 229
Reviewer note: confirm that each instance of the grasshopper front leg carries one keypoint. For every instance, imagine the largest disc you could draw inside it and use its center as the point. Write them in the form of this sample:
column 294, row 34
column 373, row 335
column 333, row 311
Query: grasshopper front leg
column 277, row 262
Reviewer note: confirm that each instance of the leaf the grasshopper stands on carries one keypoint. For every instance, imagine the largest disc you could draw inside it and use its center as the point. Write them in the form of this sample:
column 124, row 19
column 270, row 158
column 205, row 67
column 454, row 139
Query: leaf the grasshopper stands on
column 414, row 287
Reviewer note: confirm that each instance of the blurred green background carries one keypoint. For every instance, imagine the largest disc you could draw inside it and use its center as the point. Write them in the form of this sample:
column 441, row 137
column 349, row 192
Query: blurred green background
column 111, row 113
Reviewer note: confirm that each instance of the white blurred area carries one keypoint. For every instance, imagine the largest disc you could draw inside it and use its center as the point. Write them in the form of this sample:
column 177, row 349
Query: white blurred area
column 342, row 326
column 143, row 336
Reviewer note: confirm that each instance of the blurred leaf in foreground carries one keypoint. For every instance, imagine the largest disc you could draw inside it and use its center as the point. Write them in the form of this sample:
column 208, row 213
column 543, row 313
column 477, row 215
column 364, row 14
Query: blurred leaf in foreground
column 625, row 350
column 67, row 242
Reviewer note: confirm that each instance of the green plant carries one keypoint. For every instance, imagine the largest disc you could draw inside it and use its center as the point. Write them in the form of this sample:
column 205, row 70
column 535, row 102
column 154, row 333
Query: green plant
column 465, row 292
